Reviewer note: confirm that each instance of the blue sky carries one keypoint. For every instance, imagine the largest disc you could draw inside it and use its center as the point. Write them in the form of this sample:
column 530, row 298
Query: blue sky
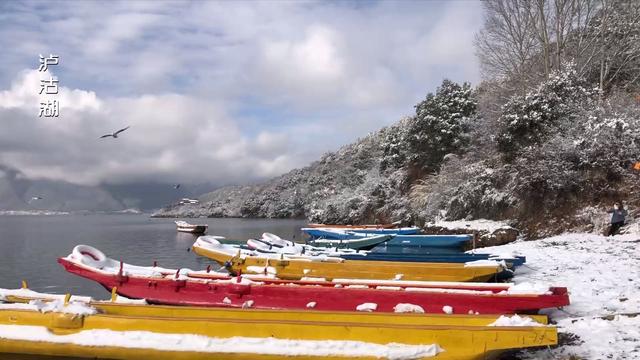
column 231, row 91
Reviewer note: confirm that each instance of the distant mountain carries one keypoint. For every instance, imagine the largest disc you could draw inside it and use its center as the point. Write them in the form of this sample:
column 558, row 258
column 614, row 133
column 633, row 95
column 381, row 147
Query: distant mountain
column 17, row 191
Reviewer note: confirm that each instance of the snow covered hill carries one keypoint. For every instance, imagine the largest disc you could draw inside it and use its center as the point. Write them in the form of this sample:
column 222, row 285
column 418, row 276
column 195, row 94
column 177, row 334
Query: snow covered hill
column 603, row 277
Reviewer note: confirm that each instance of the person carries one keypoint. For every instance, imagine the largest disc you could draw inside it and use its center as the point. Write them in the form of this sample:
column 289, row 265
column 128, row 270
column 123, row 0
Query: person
column 618, row 214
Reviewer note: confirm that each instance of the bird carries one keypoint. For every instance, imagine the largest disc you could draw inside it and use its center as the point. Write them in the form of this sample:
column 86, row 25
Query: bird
column 176, row 186
column 34, row 198
column 115, row 134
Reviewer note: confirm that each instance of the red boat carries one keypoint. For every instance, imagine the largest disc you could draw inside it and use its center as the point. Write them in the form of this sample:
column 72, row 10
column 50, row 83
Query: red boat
column 203, row 288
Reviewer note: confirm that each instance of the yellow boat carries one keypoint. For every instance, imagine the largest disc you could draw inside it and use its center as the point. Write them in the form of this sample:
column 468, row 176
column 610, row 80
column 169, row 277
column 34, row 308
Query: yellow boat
column 114, row 307
column 297, row 267
column 251, row 334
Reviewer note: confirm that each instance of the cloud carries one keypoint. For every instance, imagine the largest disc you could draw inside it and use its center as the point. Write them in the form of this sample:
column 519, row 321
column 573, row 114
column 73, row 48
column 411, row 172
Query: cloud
column 172, row 138
column 218, row 91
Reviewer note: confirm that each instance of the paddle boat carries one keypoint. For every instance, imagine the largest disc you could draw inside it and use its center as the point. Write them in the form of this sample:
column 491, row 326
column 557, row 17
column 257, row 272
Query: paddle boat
column 206, row 288
column 298, row 266
column 133, row 331
column 183, row 226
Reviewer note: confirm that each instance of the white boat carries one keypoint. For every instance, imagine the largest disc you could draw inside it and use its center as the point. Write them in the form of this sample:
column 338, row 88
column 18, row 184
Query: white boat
column 184, row 226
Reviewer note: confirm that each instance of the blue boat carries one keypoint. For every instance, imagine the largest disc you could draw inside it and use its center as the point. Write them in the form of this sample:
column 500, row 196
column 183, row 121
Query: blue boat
column 413, row 230
column 431, row 241
column 342, row 234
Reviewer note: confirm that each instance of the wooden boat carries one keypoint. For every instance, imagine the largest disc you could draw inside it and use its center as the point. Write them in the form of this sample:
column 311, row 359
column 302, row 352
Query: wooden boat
column 296, row 267
column 166, row 332
column 168, row 286
column 184, row 226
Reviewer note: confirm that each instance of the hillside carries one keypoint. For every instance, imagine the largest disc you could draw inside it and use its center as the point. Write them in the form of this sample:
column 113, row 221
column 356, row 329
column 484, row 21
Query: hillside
column 343, row 186
column 548, row 141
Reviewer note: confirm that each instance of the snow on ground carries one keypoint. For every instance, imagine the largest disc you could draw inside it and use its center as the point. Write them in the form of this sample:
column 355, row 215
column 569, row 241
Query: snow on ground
column 603, row 277
column 480, row 224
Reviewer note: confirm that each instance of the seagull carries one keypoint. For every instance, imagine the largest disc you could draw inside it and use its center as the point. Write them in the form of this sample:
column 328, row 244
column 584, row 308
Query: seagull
column 35, row 198
column 176, row 186
column 115, row 134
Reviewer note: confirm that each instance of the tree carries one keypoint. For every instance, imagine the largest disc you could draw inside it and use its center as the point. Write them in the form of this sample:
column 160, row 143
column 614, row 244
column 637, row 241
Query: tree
column 440, row 126
column 554, row 104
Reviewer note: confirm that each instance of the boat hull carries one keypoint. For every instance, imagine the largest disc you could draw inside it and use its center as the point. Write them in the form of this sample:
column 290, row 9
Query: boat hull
column 458, row 341
column 433, row 258
column 225, row 293
column 196, row 229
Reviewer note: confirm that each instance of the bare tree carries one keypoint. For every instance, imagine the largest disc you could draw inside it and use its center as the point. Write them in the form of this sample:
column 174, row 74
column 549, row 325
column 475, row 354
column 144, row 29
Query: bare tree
column 506, row 44
column 524, row 40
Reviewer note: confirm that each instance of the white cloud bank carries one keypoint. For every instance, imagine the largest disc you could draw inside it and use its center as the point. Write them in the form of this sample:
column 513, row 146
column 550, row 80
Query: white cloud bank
column 218, row 91
column 172, row 138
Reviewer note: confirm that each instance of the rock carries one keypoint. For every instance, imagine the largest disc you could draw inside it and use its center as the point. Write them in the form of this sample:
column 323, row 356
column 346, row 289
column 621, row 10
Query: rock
column 486, row 232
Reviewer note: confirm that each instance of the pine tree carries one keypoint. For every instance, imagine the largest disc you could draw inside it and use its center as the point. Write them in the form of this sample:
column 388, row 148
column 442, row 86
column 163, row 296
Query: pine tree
column 440, row 125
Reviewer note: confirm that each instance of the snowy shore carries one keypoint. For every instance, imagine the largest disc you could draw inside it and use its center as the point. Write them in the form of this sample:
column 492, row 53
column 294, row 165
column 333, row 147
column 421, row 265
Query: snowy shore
column 603, row 277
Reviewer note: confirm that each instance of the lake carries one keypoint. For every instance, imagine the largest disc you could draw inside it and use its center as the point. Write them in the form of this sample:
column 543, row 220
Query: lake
column 30, row 245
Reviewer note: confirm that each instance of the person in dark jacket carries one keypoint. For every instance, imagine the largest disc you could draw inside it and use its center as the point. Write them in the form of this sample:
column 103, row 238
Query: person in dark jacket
column 618, row 213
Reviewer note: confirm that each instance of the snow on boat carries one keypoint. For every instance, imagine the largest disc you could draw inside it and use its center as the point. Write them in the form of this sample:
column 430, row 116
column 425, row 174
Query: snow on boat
column 176, row 287
column 126, row 331
column 184, row 226
column 299, row 266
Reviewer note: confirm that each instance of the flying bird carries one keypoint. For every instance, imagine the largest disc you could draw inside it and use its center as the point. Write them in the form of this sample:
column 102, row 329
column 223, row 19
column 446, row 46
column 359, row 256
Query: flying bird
column 35, row 198
column 176, row 186
column 115, row 134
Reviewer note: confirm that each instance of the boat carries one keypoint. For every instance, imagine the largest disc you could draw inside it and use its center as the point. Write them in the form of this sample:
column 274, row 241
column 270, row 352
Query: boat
column 133, row 331
column 183, row 226
column 176, row 287
column 348, row 233
column 270, row 243
column 359, row 243
column 297, row 266
column 320, row 236
column 368, row 226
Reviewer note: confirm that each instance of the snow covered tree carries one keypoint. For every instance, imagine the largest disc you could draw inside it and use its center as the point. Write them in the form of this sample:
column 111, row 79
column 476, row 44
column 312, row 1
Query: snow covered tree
column 527, row 120
column 440, row 126
column 394, row 146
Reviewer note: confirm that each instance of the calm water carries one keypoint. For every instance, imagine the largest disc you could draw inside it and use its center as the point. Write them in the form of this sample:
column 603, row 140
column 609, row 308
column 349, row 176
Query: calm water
column 30, row 245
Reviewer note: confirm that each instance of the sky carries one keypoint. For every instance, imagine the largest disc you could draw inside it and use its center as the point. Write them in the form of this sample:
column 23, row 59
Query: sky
column 216, row 92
